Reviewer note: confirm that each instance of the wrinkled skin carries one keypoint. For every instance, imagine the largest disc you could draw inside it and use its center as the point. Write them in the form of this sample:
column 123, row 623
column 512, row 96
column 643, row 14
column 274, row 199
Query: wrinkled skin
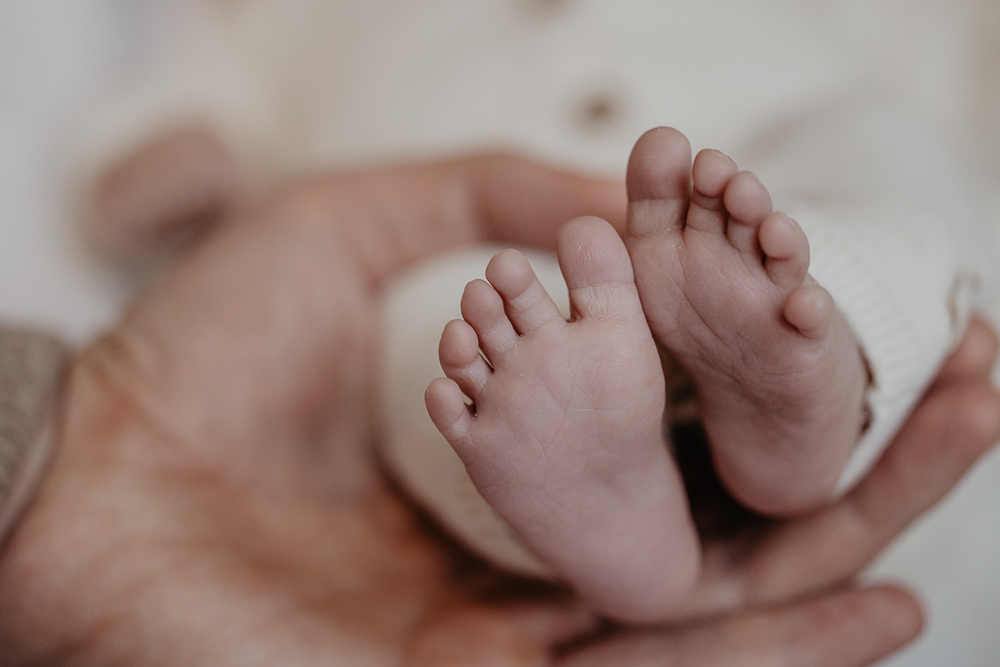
column 215, row 499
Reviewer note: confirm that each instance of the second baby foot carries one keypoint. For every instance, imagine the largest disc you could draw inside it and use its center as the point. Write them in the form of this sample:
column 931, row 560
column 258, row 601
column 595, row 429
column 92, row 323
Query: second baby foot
column 723, row 281
column 565, row 434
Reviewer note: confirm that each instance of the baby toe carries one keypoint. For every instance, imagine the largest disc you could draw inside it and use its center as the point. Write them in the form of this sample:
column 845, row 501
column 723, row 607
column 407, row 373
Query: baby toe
column 711, row 173
column 483, row 309
column 525, row 301
column 748, row 203
column 810, row 310
column 460, row 358
column 659, row 182
column 598, row 271
column 786, row 250
column 448, row 411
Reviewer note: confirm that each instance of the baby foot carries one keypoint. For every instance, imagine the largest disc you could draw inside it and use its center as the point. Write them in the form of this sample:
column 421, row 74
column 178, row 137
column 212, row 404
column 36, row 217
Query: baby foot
column 565, row 434
column 724, row 287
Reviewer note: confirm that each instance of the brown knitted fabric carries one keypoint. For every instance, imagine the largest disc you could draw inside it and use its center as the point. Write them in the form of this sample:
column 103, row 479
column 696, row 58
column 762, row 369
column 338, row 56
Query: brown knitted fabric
column 31, row 368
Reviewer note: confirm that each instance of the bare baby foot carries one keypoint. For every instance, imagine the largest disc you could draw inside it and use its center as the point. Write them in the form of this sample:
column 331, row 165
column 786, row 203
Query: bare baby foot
column 565, row 434
column 724, row 287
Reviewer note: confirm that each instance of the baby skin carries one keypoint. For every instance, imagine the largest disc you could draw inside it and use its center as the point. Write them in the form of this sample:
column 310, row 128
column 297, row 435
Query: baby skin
column 565, row 435
column 724, row 286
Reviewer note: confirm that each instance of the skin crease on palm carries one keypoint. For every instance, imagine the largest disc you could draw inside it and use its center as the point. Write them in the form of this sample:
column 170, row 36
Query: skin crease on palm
column 215, row 498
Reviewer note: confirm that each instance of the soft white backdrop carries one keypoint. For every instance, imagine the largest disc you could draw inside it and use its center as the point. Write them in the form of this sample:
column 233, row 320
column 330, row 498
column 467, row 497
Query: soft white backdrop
column 57, row 56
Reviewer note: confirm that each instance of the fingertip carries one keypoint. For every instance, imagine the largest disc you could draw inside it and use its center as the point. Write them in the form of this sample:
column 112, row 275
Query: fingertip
column 858, row 627
column 155, row 198
column 978, row 410
column 955, row 424
column 903, row 608
column 975, row 355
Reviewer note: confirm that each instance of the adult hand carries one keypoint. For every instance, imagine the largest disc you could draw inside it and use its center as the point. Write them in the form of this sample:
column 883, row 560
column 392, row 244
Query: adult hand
column 215, row 499
column 767, row 561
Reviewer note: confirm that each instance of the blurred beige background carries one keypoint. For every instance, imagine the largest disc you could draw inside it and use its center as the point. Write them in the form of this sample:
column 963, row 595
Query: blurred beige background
column 59, row 59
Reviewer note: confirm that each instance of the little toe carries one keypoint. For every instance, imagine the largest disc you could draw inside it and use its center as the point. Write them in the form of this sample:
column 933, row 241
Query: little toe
column 460, row 358
column 786, row 250
column 448, row 411
column 526, row 302
column 711, row 173
column 810, row 310
column 659, row 182
column 748, row 203
column 483, row 309
column 598, row 271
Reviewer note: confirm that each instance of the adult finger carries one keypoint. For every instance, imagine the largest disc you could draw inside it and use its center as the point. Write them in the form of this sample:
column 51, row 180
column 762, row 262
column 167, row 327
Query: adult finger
column 843, row 629
column 512, row 635
column 974, row 357
column 954, row 425
column 171, row 187
column 395, row 216
column 526, row 203
column 182, row 181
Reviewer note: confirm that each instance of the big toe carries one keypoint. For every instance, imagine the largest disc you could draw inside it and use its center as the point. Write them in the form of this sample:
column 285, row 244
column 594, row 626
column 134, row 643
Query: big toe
column 659, row 182
column 598, row 271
